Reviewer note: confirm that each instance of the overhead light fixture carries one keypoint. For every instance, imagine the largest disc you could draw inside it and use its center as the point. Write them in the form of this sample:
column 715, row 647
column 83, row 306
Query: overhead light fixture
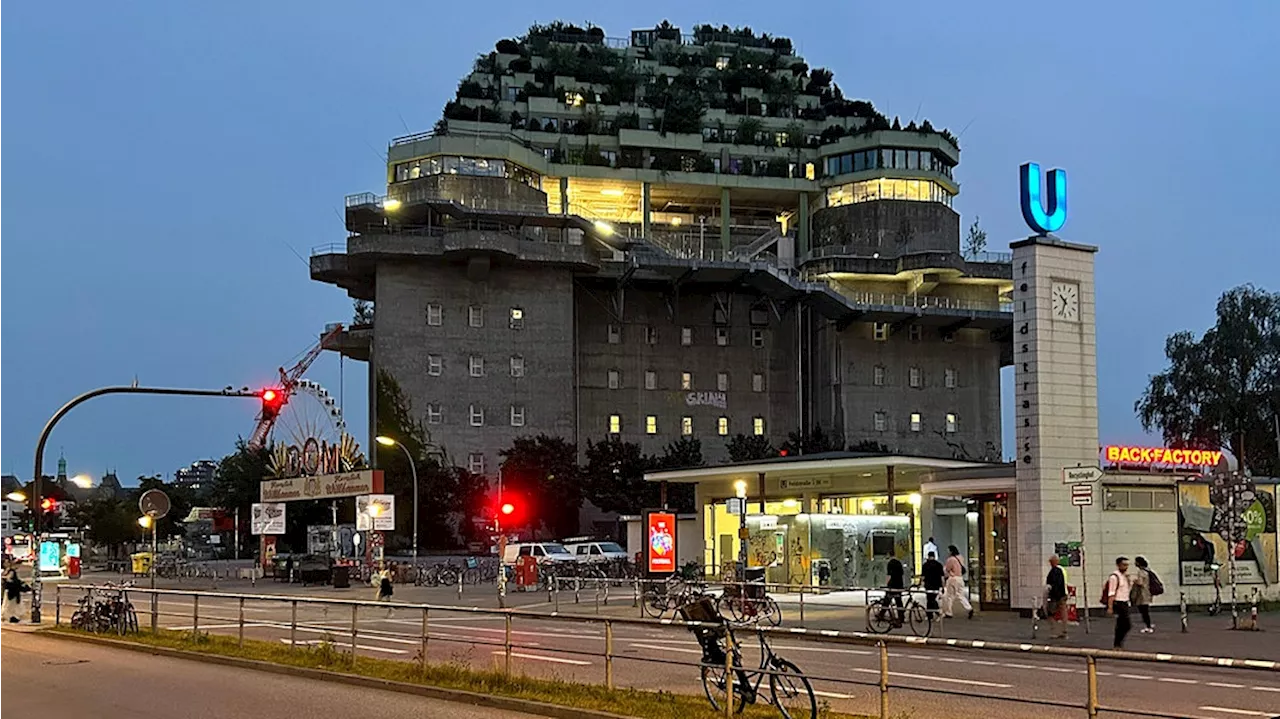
column 675, row 221
column 740, row 487
column 611, row 192
column 790, row 503
column 868, row 505
column 390, row 204
column 914, row 499
column 603, row 227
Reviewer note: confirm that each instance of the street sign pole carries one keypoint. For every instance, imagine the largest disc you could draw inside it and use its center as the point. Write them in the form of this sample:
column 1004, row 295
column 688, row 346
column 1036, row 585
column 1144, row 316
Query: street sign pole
column 1084, row 572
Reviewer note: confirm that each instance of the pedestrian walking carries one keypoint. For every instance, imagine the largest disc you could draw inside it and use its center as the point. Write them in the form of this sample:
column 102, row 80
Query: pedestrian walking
column 13, row 588
column 1115, row 595
column 955, row 589
column 934, row 577
column 1056, row 599
column 1142, row 591
column 385, row 589
column 930, row 547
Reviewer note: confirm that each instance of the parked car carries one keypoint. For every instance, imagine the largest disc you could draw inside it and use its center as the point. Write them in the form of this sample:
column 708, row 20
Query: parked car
column 598, row 552
column 544, row 552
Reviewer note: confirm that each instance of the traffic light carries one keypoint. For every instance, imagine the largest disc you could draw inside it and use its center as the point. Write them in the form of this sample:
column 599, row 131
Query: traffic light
column 49, row 504
column 508, row 509
column 272, row 401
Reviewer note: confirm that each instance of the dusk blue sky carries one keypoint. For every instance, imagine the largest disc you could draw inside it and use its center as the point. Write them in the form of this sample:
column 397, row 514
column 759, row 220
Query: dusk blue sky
column 163, row 161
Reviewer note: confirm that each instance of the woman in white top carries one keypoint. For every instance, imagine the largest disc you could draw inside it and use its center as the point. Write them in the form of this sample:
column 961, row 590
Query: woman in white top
column 955, row 589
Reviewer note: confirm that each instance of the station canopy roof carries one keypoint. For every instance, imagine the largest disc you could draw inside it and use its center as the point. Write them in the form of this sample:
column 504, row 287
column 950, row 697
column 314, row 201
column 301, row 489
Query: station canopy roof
column 866, row 466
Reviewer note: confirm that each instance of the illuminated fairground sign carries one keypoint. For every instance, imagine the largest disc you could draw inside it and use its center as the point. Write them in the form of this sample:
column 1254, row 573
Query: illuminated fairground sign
column 1150, row 456
column 312, row 456
column 1044, row 204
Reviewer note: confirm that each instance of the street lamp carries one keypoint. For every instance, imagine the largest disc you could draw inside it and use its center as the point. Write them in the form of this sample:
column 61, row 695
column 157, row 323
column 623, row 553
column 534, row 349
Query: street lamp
column 413, row 469
column 83, row 481
column 16, row 497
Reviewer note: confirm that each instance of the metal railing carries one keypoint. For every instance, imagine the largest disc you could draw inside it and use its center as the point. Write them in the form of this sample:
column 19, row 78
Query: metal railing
column 924, row 302
column 998, row 258
column 343, row 630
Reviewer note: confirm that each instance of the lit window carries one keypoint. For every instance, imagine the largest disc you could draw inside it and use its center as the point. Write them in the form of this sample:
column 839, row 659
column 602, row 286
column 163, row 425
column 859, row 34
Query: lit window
column 477, row 366
column 686, row 426
column 615, row 379
column 615, row 334
column 951, row 423
column 517, row 415
column 949, row 378
column 722, row 336
column 877, row 376
column 809, row 171
column 913, row 377
column 435, row 365
column 435, row 415
column 757, row 426
column 915, row 421
column 722, row 382
column 880, row 421
column 686, row 380
column 475, row 463
column 722, row 62
column 915, row 333
column 573, row 99
column 476, row 416
column 517, row 366
column 880, row 330
column 650, row 335
column 651, row 424
column 757, row 382
column 686, row 336
column 517, row 318
column 615, row 423
column 722, row 426
column 650, row 379
column 435, row 315
column 757, row 338
column 475, row 316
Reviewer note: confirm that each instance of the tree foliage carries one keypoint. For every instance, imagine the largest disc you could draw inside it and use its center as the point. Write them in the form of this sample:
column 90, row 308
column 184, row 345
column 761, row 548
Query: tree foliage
column 108, row 522
column 613, row 478
column 815, row 441
column 749, row 447
column 1223, row 390
column 543, row 471
column 975, row 241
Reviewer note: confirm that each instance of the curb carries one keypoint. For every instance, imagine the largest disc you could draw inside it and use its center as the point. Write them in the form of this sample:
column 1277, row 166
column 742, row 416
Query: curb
column 490, row 701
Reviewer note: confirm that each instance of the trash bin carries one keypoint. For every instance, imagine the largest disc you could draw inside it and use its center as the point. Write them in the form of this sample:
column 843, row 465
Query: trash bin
column 754, row 579
column 141, row 563
column 341, row 576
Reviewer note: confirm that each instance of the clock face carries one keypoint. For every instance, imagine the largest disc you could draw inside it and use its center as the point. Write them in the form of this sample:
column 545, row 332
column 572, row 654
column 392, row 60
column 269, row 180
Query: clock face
column 1066, row 301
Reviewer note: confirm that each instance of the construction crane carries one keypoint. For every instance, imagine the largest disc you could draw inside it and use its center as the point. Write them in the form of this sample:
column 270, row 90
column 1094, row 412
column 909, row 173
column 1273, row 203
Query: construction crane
column 275, row 398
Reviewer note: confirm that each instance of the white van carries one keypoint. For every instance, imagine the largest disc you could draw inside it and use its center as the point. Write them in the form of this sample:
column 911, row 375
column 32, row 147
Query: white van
column 593, row 552
column 544, row 552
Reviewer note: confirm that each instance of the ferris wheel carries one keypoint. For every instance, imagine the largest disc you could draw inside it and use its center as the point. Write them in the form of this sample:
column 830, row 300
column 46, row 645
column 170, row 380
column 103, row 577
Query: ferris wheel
column 311, row 433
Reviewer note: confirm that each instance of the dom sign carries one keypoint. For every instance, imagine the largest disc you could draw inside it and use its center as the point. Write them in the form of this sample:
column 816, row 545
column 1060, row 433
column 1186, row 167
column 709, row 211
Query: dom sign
column 1044, row 204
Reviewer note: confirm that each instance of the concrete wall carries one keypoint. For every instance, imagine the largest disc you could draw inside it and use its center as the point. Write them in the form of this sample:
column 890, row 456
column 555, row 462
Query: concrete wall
column 889, row 227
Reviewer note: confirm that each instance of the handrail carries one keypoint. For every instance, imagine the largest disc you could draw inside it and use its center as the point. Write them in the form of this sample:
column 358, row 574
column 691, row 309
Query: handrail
column 917, row 301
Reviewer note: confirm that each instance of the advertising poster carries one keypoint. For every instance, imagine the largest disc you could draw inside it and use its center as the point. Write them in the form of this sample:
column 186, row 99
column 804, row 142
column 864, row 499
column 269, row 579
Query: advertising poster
column 661, row 547
column 376, row 512
column 50, row 556
column 1202, row 526
column 267, row 518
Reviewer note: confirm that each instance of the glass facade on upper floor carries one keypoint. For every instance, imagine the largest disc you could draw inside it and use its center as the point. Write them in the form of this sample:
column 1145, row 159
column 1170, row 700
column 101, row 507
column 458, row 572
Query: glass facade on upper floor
column 887, row 189
column 473, row 166
column 886, row 158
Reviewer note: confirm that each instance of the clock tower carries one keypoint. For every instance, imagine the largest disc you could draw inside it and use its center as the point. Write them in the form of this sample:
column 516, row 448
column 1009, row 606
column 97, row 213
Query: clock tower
column 1056, row 405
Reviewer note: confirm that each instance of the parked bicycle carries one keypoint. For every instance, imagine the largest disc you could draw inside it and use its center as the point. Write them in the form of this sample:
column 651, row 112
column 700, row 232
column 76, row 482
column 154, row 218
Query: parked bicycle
column 749, row 602
column 108, row 612
column 669, row 595
column 789, row 689
column 884, row 616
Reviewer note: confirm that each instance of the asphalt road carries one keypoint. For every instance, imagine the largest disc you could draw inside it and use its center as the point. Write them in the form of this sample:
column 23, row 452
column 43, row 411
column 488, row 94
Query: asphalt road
column 57, row 679
column 986, row 684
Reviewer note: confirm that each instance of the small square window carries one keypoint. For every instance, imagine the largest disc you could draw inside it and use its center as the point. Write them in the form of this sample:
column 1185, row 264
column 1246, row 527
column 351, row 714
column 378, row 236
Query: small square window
column 435, row 415
column 650, row 335
column 949, row 378
column 877, row 376
column 476, row 416
column 475, row 316
column 615, row 379
column 651, row 424
column 686, row 336
column 915, row 421
column 517, row 415
column 914, row 378
column 686, row 426
column 880, row 421
column 435, row 365
column 915, row 333
column 477, row 366
column 759, row 315
column 615, row 334
column 475, row 463
column 435, row 315
column 722, row 381
column 686, row 380
column 722, row 336
column 517, row 366
column 757, row 338
column 615, row 423
column 722, row 426
column 757, row 426
column 951, row 423
column 650, row 379
column 880, row 331
column 757, row 382
column 517, row 318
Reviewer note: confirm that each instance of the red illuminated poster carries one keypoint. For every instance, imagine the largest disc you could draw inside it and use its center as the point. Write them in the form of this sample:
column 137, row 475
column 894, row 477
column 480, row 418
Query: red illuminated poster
column 661, row 527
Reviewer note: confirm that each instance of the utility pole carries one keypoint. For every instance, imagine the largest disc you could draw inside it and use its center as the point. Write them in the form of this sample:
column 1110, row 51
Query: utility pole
column 237, row 534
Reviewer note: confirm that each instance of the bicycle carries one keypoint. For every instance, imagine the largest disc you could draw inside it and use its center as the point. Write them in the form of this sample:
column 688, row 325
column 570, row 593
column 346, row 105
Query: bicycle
column 739, row 602
column 789, row 689
column 883, row 617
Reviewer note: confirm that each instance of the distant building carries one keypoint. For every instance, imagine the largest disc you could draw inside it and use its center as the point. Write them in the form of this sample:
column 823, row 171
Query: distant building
column 198, row 475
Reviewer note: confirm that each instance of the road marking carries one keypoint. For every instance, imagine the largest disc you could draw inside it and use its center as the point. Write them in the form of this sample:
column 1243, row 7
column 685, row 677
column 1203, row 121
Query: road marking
column 1225, row 685
column 970, row 682
column 833, row 695
column 557, row 660
column 313, row 642
column 825, row 650
column 1135, row 676
column 1266, row 689
column 1060, row 670
column 983, row 663
column 1238, row 712
column 1019, row 666
column 665, row 649
column 573, row 635
column 1175, row 680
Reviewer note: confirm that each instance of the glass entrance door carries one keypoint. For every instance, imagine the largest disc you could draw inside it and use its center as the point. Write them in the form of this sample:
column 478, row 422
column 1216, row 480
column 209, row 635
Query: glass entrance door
column 992, row 544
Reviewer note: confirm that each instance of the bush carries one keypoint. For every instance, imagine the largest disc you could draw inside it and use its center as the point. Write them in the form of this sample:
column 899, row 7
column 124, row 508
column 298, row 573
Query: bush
column 521, row 64
column 508, row 46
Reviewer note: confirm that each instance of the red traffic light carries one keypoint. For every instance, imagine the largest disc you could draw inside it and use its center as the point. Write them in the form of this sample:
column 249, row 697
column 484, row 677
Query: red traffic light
column 782, row 453
column 268, row 395
column 508, row 508
column 272, row 401
column 48, row 504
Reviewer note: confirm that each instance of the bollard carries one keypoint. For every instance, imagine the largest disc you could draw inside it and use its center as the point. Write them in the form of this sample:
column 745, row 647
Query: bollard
column 195, row 615
column 355, row 609
column 801, row 604
column 635, row 593
column 552, row 587
column 577, row 590
column 597, row 599
column 557, row 595
column 459, row 585
column 1253, row 610
column 293, row 624
column 605, row 583
column 241, row 639
column 884, row 680
column 608, row 654
column 422, row 661
column 1092, row 706
column 155, row 607
column 506, row 648
column 57, row 605
column 1035, row 617
column 1182, row 610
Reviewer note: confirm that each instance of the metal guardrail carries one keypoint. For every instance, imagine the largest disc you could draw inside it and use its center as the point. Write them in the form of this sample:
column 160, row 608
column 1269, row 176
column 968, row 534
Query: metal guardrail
column 1091, row 704
column 922, row 302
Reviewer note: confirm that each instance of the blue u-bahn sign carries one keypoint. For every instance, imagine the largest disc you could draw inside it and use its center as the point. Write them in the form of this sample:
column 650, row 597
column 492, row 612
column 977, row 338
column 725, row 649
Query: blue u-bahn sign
column 1043, row 216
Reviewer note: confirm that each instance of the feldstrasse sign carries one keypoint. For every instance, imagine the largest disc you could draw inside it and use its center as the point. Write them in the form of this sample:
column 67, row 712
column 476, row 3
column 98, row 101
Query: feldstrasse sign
column 325, row 486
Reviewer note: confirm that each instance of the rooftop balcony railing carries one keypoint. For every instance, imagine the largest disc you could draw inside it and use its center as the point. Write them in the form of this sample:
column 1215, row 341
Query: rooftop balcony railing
column 923, row 302
column 526, row 233
column 998, row 258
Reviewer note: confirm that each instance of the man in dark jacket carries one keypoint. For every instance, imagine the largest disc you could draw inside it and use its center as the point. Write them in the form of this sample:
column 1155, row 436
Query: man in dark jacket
column 933, row 576
column 1056, row 599
column 896, row 583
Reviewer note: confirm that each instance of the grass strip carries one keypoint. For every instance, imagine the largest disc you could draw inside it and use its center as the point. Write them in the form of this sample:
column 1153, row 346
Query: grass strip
column 457, row 675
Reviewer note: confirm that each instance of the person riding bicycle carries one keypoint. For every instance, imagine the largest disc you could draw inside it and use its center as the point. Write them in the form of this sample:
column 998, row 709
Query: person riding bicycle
column 896, row 583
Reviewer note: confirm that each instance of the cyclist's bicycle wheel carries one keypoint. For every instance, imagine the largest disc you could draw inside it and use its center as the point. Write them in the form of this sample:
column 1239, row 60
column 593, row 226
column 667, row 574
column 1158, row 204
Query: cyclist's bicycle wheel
column 770, row 611
column 921, row 620
column 879, row 618
column 654, row 602
column 713, row 687
column 730, row 607
column 791, row 692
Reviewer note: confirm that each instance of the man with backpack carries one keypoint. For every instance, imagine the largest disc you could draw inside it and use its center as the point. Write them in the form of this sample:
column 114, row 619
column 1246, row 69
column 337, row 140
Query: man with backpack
column 1146, row 586
column 1115, row 595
